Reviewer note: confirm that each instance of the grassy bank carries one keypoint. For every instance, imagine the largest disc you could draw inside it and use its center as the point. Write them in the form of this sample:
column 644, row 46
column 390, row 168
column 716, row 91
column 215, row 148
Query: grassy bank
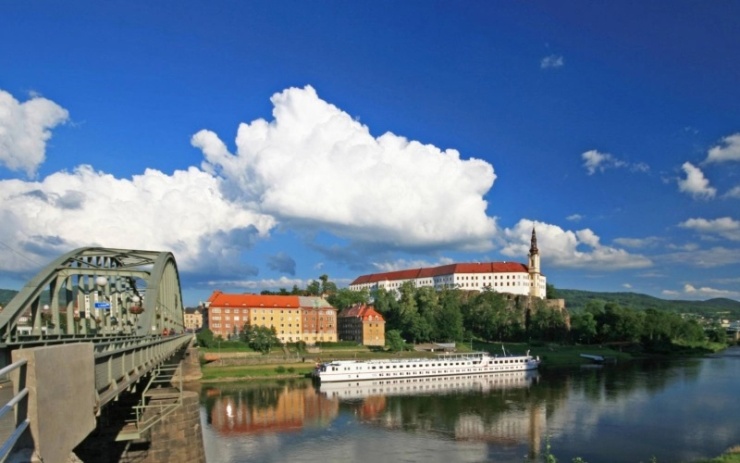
column 221, row 373
column 730, row 456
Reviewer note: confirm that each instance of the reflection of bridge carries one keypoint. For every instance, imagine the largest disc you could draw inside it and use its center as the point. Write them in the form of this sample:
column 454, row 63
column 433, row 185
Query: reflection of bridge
column 92, row 326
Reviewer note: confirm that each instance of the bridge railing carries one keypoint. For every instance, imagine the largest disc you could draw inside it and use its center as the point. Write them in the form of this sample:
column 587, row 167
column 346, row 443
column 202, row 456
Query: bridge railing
column 16, row 405
column 120, row 364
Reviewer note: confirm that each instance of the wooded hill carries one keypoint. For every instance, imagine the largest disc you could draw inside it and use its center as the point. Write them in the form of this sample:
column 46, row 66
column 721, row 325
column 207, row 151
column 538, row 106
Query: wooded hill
column 577, row 300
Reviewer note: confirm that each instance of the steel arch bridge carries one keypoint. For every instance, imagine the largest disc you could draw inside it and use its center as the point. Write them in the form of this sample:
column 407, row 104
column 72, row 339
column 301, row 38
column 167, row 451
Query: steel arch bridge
column 92, row 326
column 95, row 294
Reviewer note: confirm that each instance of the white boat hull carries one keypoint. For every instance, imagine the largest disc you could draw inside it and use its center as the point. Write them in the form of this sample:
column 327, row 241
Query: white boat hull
column 443, row 365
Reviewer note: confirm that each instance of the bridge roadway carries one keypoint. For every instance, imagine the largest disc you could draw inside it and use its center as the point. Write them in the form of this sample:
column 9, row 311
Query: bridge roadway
column 93, row 325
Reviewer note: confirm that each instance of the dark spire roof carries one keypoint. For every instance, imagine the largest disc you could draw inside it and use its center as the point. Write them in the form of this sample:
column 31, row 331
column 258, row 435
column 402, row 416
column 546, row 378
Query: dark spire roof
column 533, row 246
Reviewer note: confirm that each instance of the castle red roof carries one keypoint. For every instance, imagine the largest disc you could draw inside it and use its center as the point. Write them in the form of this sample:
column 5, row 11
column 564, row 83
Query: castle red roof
column 430, row 272
column 363, row 312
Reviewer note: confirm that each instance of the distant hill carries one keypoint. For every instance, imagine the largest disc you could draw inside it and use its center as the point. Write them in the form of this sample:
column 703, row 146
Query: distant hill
column 576, row 300
column 6, row 295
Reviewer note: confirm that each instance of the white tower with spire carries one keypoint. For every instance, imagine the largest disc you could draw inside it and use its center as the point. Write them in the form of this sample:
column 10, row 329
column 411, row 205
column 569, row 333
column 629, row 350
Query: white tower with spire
column 535, row 277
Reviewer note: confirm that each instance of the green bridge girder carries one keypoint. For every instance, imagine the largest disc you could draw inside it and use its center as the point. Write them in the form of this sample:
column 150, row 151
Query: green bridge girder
column 96, row 294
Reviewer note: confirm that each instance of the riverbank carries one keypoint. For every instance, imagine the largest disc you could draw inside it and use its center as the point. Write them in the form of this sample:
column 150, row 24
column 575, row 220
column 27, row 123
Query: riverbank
column 243, row 365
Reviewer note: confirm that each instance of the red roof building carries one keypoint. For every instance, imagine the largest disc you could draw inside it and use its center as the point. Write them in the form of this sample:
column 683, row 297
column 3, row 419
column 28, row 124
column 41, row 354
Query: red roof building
column 361, row 324
column 228, row 313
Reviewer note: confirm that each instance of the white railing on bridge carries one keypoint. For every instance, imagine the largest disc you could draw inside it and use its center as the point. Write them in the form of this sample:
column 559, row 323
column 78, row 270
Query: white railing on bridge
column 16, row 406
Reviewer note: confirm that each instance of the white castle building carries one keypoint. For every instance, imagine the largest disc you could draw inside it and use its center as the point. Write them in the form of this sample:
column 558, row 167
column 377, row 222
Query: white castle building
column 502, row 277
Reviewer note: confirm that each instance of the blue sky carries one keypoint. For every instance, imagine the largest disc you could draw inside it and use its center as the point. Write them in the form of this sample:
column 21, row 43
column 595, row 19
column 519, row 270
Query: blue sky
column 268, row 143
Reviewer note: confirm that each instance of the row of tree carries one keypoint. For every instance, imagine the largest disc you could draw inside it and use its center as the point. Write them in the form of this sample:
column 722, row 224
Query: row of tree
column 425, row 314
column 610, row 322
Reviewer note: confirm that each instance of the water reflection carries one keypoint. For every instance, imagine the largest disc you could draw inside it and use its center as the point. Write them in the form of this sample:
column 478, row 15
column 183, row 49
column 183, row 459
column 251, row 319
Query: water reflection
column 678, row 411
column 481, row 408
column 266, row 407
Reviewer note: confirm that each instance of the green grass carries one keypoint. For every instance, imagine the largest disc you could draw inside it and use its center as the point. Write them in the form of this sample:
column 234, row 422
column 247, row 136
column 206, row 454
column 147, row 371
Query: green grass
column 216, row 373
column 730, row 456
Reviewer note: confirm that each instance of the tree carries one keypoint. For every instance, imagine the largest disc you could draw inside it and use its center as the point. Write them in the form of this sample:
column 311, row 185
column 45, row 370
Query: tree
column 345, row 297
column 717, row 333
column 260, row 338
column 551, row 292
column 393, row 341
column 583, row 327
column 547, row 324
column 205, row 338
column 327, row 287
column 313, row 288
column 449, row 323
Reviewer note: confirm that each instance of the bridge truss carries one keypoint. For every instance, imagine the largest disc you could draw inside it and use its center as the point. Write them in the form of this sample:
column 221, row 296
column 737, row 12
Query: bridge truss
column 96, row 294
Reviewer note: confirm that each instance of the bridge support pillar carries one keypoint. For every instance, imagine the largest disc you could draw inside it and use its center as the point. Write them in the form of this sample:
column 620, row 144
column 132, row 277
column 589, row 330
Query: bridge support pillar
column 189, row 369
column 61, row 399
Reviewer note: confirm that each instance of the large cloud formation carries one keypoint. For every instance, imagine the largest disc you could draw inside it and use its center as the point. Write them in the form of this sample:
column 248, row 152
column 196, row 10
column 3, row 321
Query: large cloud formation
column 314, row 166
column 565, row 248
column 185, row 213
column 24, row 130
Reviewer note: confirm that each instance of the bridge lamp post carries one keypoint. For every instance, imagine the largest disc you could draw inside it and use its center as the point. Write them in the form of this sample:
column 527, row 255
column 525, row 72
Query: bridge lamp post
column 45, row 315
column 136, row 301
column 101, row 282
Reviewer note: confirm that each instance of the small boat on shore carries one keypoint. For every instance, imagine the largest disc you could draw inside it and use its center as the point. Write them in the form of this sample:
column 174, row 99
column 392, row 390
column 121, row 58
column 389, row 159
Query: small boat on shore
column 599, row 359
column 440, row 365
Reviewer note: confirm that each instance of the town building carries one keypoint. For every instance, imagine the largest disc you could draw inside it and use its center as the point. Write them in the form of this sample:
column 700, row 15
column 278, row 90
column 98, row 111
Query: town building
column 193, row 319
column 503, row 277
column 361, row 324
column 294, row 318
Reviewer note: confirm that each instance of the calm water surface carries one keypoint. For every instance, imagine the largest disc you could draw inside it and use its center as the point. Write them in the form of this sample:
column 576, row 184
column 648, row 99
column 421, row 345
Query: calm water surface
column 676, row 411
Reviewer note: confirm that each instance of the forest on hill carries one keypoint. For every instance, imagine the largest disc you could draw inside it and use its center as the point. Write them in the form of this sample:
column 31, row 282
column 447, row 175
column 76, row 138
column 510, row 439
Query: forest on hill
column 577, row 300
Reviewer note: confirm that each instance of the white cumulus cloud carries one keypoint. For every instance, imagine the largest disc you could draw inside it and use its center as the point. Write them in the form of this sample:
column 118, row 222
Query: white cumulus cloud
column 695, row 183
column 727, row 150
column 25, row 129
column 726, row 227
column 185, row 213
column 314, row 166
column 565, row 248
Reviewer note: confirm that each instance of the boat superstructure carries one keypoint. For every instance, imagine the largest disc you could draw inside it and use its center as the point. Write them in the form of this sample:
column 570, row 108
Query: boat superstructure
column 440, row 365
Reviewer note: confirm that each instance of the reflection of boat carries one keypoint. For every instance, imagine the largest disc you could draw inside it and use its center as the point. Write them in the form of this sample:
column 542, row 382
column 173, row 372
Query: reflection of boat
column 428, row 384
column 441, row 365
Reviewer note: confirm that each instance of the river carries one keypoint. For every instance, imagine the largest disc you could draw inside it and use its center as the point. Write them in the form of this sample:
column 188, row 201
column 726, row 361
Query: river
column 675, row 411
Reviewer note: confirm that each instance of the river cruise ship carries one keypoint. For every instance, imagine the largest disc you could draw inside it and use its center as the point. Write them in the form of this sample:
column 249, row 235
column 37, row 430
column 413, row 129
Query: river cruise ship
column 428, row 385
column 440, row 365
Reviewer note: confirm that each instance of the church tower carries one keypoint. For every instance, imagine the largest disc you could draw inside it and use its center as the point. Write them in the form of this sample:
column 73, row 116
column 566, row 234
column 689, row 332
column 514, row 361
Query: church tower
column 534, row 267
